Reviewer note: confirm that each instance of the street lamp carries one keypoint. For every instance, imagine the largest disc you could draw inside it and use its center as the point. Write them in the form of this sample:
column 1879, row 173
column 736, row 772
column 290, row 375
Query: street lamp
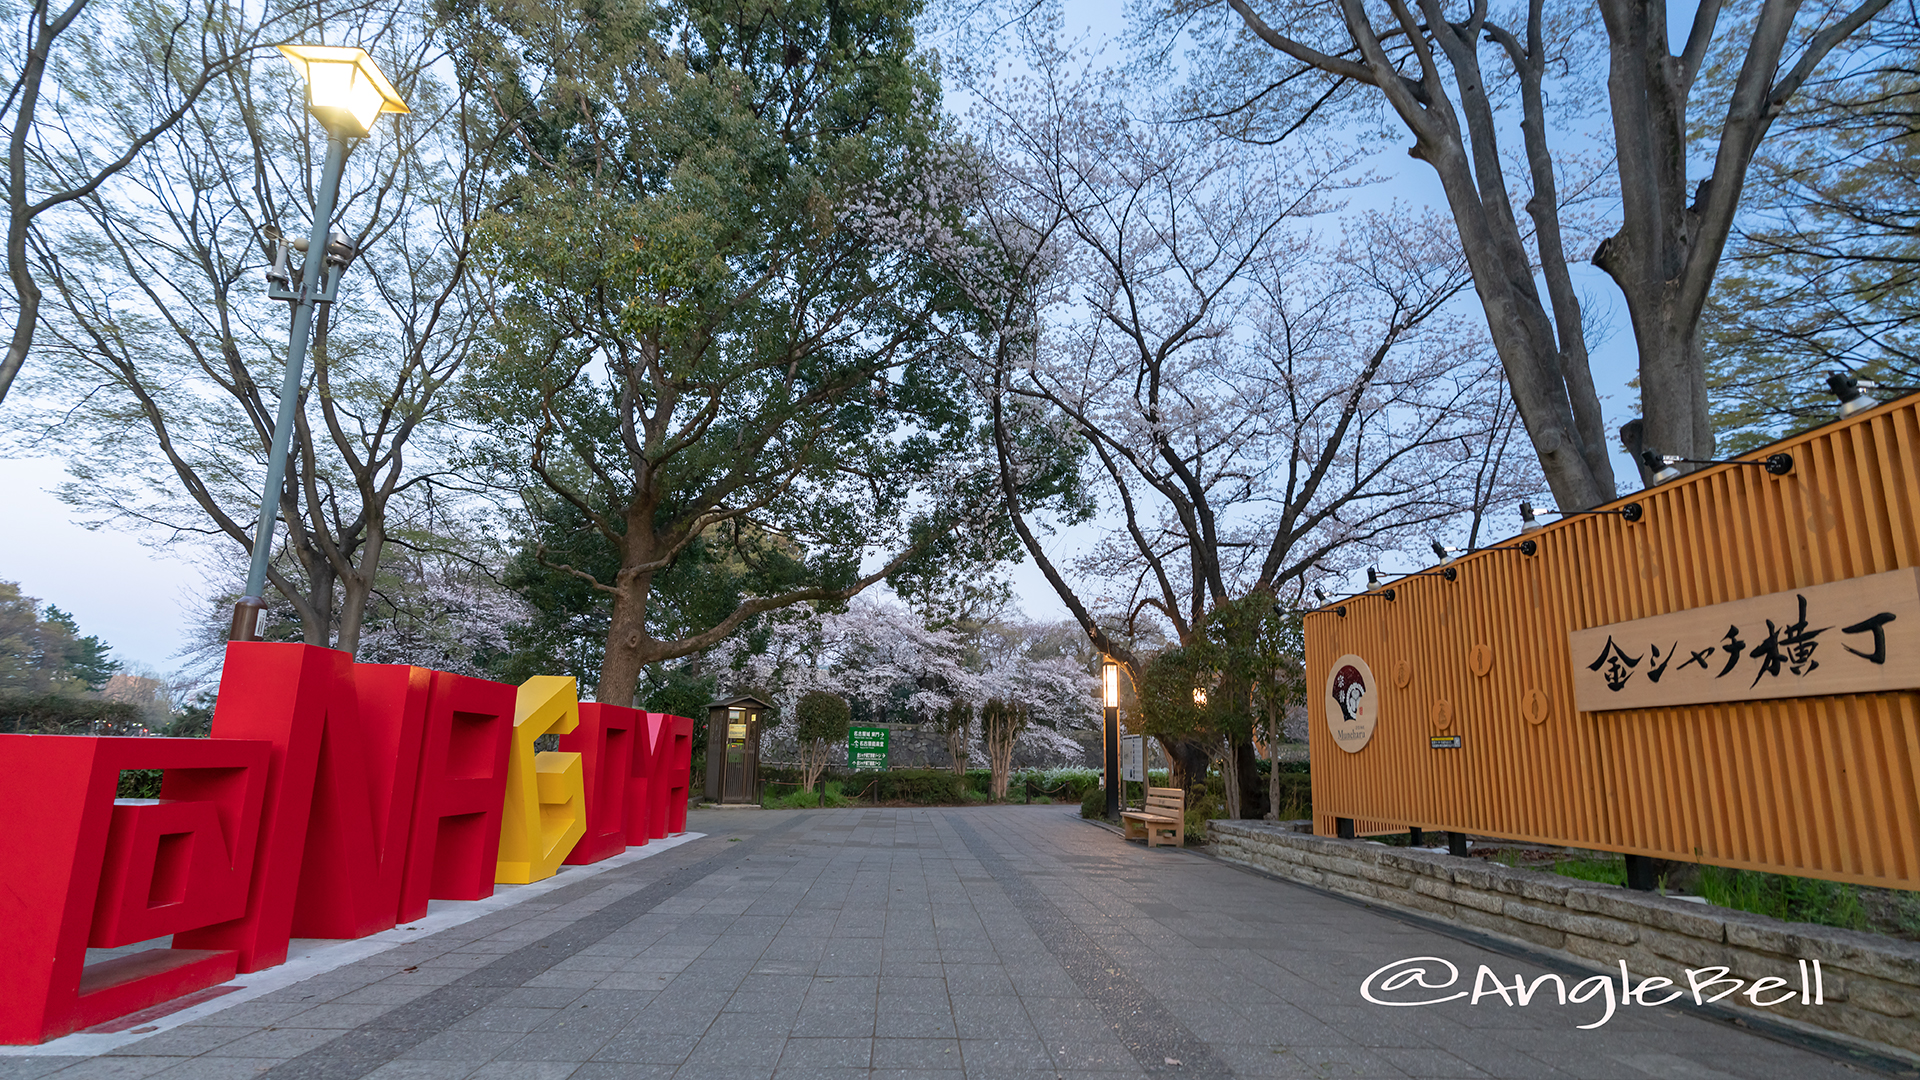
column 1110, row 726
column 346, row 93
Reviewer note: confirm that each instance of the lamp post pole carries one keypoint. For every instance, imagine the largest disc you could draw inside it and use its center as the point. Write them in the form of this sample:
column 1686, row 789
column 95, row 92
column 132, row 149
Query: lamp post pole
column 1110, row 730
column 319, row 277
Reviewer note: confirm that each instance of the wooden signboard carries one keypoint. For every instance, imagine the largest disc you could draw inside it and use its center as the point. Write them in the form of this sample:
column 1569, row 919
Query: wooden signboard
column 1854, row 636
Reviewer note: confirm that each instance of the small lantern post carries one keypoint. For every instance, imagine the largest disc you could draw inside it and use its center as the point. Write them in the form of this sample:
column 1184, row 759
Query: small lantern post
column 1110, row 727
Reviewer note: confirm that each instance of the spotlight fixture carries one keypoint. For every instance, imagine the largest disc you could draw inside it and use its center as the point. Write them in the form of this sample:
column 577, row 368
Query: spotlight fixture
column 1443, row 552
column 1844, row 386
column 1528, row 523
column 1779, row 464
column 1373, row 580
column 1318, row 592
column 1661, row 467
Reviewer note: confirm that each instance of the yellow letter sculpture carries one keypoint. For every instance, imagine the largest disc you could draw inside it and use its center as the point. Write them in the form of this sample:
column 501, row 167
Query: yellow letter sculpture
column 546, row 812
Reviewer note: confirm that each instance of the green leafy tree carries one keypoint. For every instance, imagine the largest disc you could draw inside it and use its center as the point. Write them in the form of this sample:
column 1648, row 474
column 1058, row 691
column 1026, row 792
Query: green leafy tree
column 86, row 660
column 820, row 720
column 43, row 653
column 1232, row 682
column 695, row 332
column 159, row 357
column 1823, row 275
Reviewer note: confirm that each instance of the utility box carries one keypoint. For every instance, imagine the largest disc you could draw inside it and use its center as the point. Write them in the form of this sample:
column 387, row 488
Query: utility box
column 733, row 750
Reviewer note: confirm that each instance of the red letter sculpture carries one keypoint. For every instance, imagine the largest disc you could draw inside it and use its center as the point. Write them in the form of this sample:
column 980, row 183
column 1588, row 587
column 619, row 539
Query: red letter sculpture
column 86, row 870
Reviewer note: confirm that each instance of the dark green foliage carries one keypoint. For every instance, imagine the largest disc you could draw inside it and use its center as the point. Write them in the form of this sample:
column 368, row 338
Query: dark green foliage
column 44, row 653
column 138, row 784
column 922, row 787
column 822, row 717
column 61, row 714
column 1093, row 804
column 1824, row 273
column 1296, row 794
column 86, row 657
column 715, row 386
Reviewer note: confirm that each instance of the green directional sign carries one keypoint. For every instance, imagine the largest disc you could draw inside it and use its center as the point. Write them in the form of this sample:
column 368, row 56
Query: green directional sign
column 867, row 748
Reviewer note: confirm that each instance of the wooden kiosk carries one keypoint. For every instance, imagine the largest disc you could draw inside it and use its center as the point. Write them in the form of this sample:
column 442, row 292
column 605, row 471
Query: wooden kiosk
column 733, row 750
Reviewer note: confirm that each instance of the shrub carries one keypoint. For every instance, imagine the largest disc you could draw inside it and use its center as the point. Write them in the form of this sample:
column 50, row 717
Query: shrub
column 1057, row 785
column 1296, row 793
column 922, row 787
column 829, row 796
column 1211, row 804
column 58, row 714
column 820, row 720
column 138, row 784
column 1094, row 803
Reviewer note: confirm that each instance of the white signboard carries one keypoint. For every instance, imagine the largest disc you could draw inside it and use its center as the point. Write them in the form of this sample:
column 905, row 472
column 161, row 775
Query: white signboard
column 1133, row 757
column 1845, row 637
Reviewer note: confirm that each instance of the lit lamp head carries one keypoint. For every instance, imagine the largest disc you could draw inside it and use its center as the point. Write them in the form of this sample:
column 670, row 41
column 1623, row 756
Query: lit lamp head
column 1110, row 684
column 344, row 90
column 1843, row 385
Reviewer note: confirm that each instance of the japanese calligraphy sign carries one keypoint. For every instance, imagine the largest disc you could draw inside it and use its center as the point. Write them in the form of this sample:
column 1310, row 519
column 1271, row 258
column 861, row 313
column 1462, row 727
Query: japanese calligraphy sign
column 1855, row 636
column 1353, row 703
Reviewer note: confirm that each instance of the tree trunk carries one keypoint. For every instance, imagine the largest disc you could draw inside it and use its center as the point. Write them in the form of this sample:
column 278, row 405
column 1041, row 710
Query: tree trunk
column 1186, row 763
column 1230, row 777
column 813, row 761
column 358, row 584
column 626, row 643
column 1276, row 731
column 1247, row 768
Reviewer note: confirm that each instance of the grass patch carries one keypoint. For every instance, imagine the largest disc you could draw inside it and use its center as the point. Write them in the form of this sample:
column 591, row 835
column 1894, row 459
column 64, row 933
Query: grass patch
column 1605, row 871
column 1789, row 899
column 829, row 796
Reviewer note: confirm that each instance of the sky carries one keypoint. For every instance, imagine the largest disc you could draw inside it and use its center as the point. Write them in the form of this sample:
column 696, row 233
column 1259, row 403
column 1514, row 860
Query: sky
column 138, row 599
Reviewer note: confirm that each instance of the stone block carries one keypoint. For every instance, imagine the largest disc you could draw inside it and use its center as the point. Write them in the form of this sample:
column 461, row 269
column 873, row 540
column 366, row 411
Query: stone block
column 1883, row 998
column 1545, row 890
column 1387, row 875
column 1687, row 950
column 1679, row 917
column 1592, row 949
column 1589, row 926
column 1477, row 899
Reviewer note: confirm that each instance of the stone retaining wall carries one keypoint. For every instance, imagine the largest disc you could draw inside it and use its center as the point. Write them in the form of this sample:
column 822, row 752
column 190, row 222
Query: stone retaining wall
column 1872, row 982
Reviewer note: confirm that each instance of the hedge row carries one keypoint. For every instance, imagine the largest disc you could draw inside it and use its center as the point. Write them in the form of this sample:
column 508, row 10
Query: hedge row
column 57, row 714
column 938, row 787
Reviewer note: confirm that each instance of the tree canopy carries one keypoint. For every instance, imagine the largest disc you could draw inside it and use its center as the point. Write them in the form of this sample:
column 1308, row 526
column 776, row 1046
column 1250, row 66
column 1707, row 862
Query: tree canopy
column 697, row 348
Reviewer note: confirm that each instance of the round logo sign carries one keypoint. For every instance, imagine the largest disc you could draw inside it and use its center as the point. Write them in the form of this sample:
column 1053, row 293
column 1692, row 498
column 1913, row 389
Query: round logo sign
column 1353, row 703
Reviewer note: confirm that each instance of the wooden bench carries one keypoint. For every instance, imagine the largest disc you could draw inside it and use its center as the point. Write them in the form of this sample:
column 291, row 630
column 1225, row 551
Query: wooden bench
column 1165, row 813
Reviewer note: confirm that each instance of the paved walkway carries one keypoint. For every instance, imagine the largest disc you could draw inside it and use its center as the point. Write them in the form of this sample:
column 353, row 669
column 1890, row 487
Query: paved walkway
column 1014, row 942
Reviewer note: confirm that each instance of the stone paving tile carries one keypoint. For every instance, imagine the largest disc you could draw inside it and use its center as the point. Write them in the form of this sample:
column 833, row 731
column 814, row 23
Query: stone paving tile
column 1000, row 943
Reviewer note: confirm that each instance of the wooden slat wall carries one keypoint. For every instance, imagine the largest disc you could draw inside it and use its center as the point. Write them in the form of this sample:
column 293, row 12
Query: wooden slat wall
column 1820, row 786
